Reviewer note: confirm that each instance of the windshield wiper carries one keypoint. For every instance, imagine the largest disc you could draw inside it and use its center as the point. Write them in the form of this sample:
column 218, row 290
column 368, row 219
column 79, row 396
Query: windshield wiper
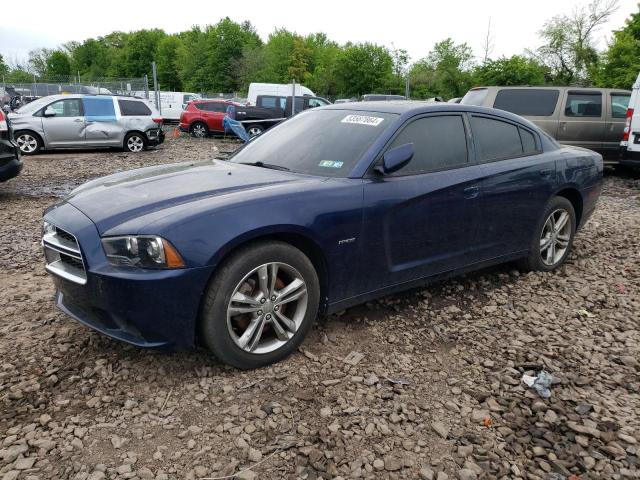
column 266, row 165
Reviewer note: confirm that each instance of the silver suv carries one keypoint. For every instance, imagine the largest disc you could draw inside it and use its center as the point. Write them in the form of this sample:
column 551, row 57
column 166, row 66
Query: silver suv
column 65, row 121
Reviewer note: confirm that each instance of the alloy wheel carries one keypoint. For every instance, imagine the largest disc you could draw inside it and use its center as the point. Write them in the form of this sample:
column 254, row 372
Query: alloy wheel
column 555, row 237
column 135, row 144
column 27, row 143
column 253, row 131
column 199, row 131
column 267, row 308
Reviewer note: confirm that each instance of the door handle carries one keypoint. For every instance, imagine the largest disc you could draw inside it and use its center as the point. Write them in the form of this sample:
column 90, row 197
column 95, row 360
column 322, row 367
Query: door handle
column 563, row 125
column 471, row 192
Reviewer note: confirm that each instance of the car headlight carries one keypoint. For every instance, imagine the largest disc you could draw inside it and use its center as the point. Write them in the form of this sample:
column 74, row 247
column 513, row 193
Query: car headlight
column 144, row 251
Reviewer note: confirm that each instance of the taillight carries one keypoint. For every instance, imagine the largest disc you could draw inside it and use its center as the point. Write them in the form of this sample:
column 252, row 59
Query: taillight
column 3, row 123
column 157, row 120
column 627, row 125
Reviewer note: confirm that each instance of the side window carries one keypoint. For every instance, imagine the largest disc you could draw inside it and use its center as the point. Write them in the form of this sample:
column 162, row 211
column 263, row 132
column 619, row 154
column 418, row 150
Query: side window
column 439, row 142
column 528, row 142
column 619, row 105
column 535, row 102
column 316, row 102
column 219, row 107
column 268, row 102
column 99, row 109
column 581, row 104
column 67, row 108
column 129, row 108
column 283, row 102
column 495, row 139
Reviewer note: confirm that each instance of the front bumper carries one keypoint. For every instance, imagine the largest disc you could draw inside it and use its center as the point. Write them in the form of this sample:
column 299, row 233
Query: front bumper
column 155, row 137
column 10, row 161
column 147, row 308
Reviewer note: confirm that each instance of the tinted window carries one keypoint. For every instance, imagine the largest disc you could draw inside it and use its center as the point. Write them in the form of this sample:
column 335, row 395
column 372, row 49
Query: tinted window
column 619, row 105
column 495, row 139
column 327, row 143
column 212, row 106
column 99, row 109
column 533, row 102
column 133, row 107
column 438, row 142
column 528, row 141
column 268, row 102
column 67, row 108
column 583, row 104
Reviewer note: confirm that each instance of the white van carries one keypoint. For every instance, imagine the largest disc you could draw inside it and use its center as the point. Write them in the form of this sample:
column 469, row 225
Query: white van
column 275, row 89
column 171, row 103
column 630, row 144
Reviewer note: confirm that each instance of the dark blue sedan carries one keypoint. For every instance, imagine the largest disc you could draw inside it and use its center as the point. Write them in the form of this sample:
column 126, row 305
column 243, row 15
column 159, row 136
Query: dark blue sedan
column 336, row 206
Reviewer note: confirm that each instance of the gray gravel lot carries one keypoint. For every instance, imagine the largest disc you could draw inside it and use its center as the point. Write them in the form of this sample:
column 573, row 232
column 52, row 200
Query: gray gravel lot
column 436, row 393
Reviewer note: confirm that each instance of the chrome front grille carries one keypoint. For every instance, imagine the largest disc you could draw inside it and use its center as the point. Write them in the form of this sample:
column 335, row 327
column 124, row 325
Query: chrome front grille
column 63, row 255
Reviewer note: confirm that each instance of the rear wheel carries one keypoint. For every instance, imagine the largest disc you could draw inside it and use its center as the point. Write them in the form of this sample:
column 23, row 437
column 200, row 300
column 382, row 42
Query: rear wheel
column 135, row 142
column 29, row 143
column 199, row 130
column 255, row 130
column 553, row 238
column 260, row 305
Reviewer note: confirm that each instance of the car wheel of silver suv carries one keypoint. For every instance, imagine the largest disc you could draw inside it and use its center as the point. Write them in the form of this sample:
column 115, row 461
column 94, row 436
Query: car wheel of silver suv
column 135, row 142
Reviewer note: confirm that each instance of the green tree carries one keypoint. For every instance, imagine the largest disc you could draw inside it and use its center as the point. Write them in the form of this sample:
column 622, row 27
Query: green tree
column 168, row 63
column 515, row 70
column 38, row 61
column 569, row 44
column 138, row 52
column 299, row 61
column 445, row 72
column 58, row 64
column 363, row 68
column 4, row 68
column 621, row 61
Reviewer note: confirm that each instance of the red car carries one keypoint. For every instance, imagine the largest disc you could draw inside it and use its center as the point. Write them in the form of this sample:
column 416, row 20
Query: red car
column 204, row 117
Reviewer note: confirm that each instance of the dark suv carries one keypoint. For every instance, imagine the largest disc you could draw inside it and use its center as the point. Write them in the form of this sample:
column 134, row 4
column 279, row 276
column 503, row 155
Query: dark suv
column 10, row 162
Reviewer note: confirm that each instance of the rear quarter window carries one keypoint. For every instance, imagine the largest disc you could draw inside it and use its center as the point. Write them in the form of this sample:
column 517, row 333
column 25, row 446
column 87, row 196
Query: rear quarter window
column 529, row 102
column 129, row 108
column 496, row 139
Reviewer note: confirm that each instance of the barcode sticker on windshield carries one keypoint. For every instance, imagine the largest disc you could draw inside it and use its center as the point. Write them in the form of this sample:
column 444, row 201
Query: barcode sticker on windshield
column 363, row 120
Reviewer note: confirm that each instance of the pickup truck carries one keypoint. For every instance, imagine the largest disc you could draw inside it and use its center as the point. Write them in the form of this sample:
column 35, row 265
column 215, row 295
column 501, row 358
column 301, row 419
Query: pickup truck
column 271, row 110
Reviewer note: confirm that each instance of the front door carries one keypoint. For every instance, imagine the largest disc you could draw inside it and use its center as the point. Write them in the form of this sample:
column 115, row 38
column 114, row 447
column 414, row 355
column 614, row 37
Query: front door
column 63, row 123
column 582, row 120
column 422, row 219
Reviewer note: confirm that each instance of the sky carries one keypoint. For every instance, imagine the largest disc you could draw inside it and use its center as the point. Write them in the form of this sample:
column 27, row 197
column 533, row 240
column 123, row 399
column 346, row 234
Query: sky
column 414, row 26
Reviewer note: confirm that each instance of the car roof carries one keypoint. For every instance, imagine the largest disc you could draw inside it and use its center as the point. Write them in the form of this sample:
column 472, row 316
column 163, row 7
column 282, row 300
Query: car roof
column 207, row 100
column 409, row 108
column 549, row 87
column 82, row 95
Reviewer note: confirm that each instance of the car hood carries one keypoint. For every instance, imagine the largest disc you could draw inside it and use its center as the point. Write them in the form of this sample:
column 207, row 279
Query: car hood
column 115, row 199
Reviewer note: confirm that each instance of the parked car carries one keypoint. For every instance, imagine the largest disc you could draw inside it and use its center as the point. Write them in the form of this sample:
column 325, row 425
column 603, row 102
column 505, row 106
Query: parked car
column 334, row 207
column 275, row 89
column 204, row 117
column 345, row 100
column 630, row 143
column 10, row 161
column 67, row 121
column 271, row 110
column 592, row 118
column 375, row 97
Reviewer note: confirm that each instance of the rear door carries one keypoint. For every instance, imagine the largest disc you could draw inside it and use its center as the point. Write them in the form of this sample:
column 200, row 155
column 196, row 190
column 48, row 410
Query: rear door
column 582, row 119
column 103, row 128
column 617, row 105
column 421, row 220
column 518, row 180
column 63, row 123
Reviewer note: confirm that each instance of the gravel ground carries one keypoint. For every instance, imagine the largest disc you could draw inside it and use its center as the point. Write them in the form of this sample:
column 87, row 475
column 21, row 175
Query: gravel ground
column 426, row 384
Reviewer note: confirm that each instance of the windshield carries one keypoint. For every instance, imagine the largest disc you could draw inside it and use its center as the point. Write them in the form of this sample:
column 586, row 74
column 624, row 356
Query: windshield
column 475, row 96
column 326, row 143
column 35, row 105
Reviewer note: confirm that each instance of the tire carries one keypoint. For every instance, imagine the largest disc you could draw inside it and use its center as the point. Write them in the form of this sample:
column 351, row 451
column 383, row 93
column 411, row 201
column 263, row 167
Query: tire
column 254, row 130
column 543, row 259
column 28, row 142
column 199, row 130
column 264, row 330
column 135, row 142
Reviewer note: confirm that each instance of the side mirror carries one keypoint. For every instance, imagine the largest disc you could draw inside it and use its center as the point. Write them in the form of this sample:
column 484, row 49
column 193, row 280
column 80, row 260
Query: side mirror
column 395, row 159
column 49, row 112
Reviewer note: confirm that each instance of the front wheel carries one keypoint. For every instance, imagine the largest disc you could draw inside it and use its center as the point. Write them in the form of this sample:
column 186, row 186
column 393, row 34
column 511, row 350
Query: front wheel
column 28, row 143
column 199, row 130
column 260, row 305
column 255, row 130
column 553, row 238
column 135, row 142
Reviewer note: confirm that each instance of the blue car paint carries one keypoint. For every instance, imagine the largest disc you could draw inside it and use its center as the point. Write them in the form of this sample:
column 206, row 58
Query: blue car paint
column 368, row 230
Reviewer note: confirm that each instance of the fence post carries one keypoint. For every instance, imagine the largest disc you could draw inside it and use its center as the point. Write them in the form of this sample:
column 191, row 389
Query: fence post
column 155, row 87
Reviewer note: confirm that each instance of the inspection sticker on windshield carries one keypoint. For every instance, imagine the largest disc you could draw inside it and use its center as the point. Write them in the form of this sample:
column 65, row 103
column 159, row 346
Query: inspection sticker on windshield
column 330, row 164
column 363, row 120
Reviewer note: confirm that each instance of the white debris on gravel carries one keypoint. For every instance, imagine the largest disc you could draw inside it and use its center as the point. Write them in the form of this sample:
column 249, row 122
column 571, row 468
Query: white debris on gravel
column 76, row 405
